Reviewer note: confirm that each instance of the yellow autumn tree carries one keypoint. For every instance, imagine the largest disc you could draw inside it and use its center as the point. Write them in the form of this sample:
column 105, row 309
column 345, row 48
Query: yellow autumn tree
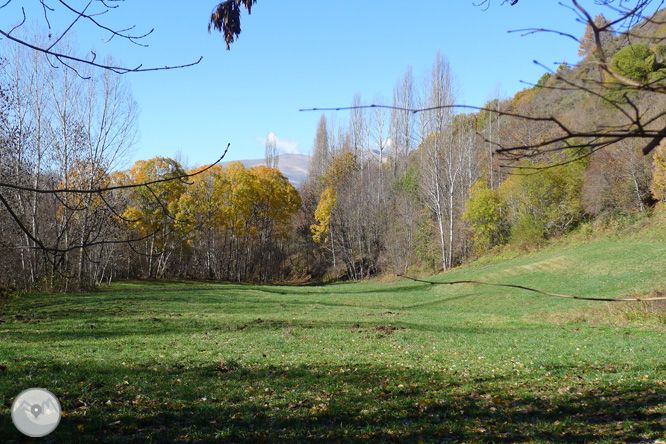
column 588, row 41
column 239, row 195
column 236, row 219
column 276, row 201
column 323, row 215
column 336, row 177
column 152, row 209
column 484, row 216
column 199, row 204
column 658, row 186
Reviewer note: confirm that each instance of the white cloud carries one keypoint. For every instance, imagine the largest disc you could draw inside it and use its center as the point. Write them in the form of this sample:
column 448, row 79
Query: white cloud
column 284, row 146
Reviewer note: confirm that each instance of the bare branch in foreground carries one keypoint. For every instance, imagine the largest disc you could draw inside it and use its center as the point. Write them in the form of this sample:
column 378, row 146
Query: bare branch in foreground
column 91, row 17
column 521, row 287
column 112, row 68
column 115, row 187
column 599, row 139
column 54, row 250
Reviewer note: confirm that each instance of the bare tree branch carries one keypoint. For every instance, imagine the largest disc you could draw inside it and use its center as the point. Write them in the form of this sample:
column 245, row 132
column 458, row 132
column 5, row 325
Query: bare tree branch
column 529, row 31
column 99, row 191
column 534, row 290
column 92, row 17
column 120, row 33
column 115, row 187
column 486, row 3
column 116, row 69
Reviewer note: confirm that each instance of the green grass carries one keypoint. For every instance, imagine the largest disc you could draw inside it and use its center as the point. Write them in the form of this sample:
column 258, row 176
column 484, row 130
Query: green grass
column 399, row 362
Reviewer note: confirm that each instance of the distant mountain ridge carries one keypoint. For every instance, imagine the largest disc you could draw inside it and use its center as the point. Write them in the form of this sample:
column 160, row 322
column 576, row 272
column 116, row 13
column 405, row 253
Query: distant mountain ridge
column 293, row 166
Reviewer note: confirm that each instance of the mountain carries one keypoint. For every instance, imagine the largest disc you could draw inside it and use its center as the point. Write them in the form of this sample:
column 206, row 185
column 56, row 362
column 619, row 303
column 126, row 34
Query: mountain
column 293, row 166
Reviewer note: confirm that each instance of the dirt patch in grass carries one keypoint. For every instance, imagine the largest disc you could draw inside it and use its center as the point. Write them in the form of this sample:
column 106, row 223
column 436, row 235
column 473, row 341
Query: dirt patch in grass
column 387, row 313
column 380, row 330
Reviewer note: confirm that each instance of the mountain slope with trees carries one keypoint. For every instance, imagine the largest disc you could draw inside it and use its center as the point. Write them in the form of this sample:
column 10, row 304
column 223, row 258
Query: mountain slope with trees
column 442, row 193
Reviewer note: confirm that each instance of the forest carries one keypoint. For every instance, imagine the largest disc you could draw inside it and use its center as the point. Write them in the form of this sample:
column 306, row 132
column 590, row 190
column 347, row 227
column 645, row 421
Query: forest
column 407, row 185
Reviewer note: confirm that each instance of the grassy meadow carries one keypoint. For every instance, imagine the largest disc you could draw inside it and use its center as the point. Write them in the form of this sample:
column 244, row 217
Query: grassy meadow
column 368, row 362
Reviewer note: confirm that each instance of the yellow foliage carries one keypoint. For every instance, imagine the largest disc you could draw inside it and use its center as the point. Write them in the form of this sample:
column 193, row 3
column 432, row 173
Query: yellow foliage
column 336, row 182
column 340, row 170
column 483, row 213
column 152, row 208
column 274, row 201
column 223, row 210
column 244, row 203
column 199, row 204
column 658, row 186
column 323, row 214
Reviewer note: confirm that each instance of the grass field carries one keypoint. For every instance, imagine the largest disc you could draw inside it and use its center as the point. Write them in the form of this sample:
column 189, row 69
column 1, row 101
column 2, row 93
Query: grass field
column 394, row 362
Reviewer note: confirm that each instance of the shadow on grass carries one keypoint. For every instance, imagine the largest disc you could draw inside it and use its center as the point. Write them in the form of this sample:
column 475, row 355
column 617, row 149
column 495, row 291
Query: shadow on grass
column 439, row 301
column 31, row 330
column 157, row 303
column 231, row 402
column 383, row 289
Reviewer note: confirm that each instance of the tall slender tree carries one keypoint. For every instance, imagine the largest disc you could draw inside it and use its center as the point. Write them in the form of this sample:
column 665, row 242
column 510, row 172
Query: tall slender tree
column 271, row 151
column 321, row 157
column 439, row 168
column 402, row 121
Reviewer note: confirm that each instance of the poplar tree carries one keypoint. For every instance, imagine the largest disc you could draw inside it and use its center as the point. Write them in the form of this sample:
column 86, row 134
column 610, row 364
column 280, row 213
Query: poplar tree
column 271, row 151
column 320, row 151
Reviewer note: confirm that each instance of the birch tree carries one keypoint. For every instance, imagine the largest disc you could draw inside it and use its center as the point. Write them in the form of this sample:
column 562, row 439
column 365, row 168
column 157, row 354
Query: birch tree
column 440, row 169
column 358, row 127
column 71, row 128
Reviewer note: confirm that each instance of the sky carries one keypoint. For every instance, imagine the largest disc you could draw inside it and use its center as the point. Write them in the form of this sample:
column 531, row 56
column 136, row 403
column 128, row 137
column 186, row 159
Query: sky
column 296, row 54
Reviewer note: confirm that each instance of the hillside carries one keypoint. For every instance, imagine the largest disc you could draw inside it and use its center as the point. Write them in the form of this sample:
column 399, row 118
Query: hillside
column 584, row 98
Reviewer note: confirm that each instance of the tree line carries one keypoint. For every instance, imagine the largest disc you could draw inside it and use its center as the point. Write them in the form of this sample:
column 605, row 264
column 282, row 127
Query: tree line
column 406, row 185
column 415, row 186
column 70, row 218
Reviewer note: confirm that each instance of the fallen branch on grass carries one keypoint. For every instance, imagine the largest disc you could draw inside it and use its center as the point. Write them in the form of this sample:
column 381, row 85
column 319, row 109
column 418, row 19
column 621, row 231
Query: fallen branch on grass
column 520, row 287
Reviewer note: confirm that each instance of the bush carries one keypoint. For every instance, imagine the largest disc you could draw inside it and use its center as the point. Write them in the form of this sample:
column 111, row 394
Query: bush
column 635, row 61
column 548, row 199
column 483, row 213
column 527, row 234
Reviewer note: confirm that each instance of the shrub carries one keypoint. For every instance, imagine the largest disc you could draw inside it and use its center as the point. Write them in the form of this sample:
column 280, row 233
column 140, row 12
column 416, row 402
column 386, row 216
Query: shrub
column 543, row 203
column 527, row 234
column 483, row 213
column 635, row 61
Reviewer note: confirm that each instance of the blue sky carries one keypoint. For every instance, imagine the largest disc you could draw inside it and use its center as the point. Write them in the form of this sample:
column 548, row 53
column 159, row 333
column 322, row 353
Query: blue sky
column 297, row 54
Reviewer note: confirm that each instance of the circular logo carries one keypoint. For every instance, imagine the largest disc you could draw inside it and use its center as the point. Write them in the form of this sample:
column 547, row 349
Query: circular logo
column 36, row 412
